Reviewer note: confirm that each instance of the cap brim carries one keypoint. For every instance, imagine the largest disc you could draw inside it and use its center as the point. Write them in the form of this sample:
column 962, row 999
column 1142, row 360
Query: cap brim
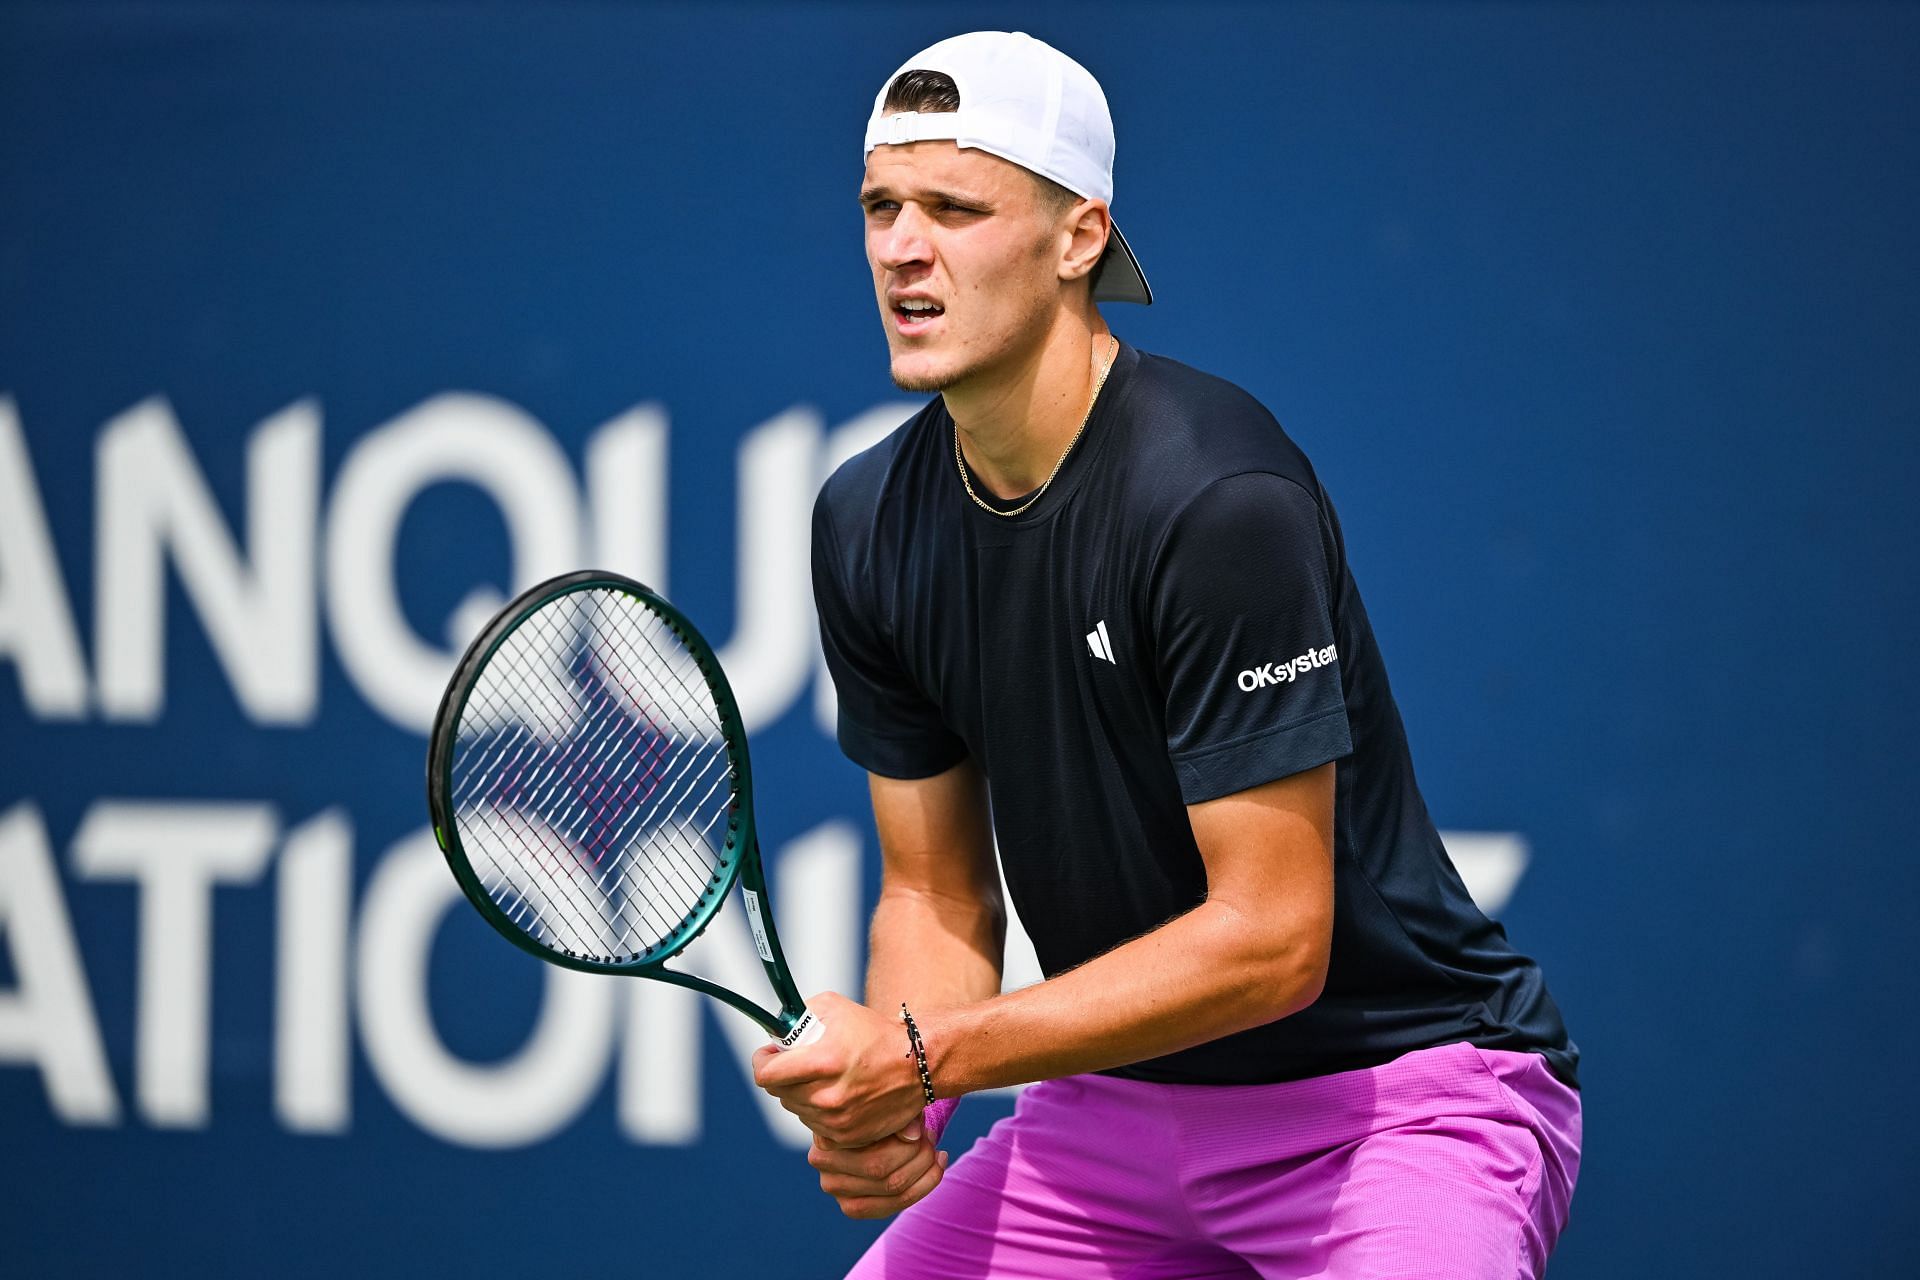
column 1118, row 278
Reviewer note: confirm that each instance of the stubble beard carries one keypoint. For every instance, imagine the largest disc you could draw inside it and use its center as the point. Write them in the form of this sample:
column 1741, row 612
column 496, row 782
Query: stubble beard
column 1029, row 333
column 925, row 383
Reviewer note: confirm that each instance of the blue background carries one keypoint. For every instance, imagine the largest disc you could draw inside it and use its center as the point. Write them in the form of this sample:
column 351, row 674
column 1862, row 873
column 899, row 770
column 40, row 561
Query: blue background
column 1599, row 323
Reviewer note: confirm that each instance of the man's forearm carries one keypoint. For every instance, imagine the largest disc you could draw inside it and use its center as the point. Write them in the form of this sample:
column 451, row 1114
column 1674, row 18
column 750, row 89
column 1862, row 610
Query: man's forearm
column 1200, row 976
column 928, row 950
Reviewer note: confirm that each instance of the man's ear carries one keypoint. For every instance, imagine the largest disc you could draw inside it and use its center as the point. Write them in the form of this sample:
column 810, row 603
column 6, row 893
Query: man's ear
column 1089, row 225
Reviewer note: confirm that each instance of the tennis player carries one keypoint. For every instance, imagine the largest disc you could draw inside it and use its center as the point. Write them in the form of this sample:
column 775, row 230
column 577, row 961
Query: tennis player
column 1095, row 603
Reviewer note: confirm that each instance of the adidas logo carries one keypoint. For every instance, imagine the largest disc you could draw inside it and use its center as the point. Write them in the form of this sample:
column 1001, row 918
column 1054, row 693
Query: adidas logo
column 1098, row 644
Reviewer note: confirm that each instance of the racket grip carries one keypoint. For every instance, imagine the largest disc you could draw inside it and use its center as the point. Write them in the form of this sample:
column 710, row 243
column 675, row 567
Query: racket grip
column 805, row 1031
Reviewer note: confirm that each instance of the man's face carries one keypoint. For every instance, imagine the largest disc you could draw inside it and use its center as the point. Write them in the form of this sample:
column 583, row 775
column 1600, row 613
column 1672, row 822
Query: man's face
column 964, row 250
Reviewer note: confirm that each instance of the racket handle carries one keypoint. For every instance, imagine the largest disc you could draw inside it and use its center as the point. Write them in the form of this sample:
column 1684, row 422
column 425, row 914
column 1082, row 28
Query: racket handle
column 805, row 1031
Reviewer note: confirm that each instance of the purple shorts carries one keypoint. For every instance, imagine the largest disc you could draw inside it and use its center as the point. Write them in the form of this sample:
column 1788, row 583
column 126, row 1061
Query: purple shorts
column 1452, row 1161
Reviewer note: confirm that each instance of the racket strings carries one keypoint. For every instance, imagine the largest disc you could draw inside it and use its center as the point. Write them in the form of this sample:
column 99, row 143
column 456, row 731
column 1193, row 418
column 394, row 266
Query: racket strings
column 676, row 780
column 584, row 825
column 591, row 826
column 589, row 773
column 715, row 767
column 521, row 787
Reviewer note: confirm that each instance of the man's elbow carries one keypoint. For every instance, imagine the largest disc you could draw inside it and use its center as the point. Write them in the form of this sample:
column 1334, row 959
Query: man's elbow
column 1278, row 966
column 1310, row 979
column 1303, row 974
column 1295, row 972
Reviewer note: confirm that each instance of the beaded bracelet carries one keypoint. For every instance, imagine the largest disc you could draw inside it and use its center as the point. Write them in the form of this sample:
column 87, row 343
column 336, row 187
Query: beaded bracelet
column 919, row 1053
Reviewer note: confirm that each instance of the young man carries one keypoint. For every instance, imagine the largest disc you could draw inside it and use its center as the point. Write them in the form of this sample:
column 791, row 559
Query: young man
column 1095, row 604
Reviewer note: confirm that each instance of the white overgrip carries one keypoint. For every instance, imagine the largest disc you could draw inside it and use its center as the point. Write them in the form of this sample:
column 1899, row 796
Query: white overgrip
column 805, row 1031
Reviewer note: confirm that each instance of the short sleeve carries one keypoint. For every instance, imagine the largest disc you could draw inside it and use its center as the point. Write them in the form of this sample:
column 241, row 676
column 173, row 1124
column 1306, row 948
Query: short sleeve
column 1241, row 594
column 886, row 724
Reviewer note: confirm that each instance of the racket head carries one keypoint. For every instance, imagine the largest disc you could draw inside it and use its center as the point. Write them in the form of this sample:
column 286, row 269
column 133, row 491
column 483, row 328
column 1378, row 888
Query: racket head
column 588, row 778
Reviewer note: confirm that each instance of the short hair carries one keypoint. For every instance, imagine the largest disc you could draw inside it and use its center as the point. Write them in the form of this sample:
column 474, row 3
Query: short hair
column 935, row 92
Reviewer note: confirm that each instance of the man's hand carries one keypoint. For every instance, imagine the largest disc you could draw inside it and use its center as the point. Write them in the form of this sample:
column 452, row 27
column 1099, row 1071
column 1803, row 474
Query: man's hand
column 855, row 1085
column 880, row 1180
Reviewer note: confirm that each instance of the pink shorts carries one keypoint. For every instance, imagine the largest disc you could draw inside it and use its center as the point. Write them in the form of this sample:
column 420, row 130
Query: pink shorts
column 1447, row 1162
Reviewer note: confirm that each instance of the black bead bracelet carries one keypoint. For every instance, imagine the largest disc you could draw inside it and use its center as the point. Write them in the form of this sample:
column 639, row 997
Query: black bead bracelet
column 919, row 1053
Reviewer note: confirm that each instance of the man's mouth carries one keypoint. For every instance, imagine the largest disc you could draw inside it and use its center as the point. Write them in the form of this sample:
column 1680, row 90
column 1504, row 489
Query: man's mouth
column 915, row 315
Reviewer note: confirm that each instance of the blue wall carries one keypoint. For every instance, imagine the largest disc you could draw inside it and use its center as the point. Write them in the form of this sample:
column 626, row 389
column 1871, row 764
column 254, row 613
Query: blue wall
column 1599, row 322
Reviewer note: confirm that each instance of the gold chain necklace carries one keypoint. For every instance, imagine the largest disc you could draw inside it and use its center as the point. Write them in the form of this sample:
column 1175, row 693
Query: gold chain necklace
column 961, row 463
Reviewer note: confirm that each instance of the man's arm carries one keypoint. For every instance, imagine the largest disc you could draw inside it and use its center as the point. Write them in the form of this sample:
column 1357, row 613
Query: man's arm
column 1255, row 951
column 936, row 939
column 939, row 927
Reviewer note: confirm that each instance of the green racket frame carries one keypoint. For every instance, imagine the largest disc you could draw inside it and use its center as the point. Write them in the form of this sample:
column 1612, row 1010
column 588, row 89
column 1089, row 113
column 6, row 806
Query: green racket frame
column 739, row 858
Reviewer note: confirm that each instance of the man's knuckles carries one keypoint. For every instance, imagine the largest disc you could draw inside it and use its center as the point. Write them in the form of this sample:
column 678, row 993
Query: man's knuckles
column 871, row 1177
column 872, row 1206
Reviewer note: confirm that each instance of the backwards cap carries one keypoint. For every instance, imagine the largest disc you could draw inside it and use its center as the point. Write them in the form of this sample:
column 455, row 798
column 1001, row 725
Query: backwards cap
column 1023, row 100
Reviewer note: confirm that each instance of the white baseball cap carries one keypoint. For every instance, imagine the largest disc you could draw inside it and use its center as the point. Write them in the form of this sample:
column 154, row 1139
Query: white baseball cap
column 1023, row 100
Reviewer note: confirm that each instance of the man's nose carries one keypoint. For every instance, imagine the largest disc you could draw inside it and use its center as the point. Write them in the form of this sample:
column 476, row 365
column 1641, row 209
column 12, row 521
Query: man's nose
column 905, row 241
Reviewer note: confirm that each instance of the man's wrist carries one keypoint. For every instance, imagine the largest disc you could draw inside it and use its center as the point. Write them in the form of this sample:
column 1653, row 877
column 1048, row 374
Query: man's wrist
column 917, row 1052
column 943, row 1031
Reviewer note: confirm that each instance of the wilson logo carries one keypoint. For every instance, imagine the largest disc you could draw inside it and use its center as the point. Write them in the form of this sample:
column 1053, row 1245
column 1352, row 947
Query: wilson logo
column 805, row 1031
column 1287, row 672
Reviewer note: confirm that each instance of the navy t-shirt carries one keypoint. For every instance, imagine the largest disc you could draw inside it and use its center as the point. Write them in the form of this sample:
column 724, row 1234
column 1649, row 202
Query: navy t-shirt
column 1172, row 621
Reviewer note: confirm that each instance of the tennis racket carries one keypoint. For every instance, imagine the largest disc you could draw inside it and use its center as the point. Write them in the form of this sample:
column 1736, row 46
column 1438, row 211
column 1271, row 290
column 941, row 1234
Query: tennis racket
column 589, row 787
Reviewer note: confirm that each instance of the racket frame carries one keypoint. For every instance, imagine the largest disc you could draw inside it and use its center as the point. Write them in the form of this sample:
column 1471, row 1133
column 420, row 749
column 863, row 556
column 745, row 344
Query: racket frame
column 739, row 857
